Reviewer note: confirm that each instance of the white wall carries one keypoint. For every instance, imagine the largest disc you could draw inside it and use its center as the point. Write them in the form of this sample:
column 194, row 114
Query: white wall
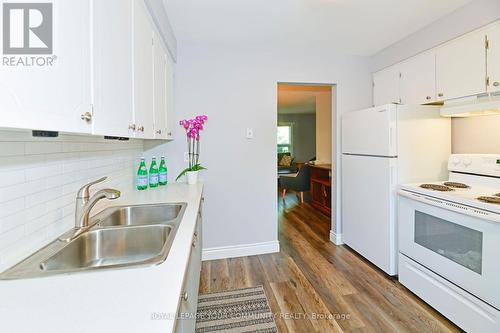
column 472, row 16
column 39, row 178
column 237, row 88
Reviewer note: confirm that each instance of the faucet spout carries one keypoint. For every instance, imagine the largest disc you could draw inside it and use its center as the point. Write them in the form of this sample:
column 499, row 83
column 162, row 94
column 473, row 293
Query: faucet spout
column 84, row 205
column 108, row 193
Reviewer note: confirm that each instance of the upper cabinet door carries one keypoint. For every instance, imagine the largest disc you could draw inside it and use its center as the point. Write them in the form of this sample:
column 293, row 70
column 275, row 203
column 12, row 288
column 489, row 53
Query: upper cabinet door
column 113, row 68
column 143, row 72
column 160, row 88
column 386, row 86
column 418, row 79
column 461, row 67
column 171, row 119
column 494, row 57
column 46, row 83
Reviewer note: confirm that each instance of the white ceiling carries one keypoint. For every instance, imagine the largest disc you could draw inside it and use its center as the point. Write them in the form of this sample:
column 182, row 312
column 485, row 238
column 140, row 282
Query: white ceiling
column 358, row 27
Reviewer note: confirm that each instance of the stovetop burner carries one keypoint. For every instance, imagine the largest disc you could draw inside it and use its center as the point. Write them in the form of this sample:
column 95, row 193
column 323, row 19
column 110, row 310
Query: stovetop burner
column 456, row 185
column 436, row 187
column 492, row 200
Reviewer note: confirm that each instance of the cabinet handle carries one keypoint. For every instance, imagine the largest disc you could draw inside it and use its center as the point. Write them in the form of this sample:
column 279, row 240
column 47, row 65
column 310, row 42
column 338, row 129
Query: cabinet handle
column 440, row 95
column 496, row 84
column 428, row 98
column 185, row 296
column 131, row 127
column 87, row 116
column 140, row 128
column 158, row 132
column 169, row 133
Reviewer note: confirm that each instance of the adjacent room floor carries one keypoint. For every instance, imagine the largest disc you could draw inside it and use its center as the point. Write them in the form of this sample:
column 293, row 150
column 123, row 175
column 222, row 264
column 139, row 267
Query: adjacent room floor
column 313, row 277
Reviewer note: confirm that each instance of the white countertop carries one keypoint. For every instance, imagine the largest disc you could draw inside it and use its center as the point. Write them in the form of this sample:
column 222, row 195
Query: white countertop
column 114, row 300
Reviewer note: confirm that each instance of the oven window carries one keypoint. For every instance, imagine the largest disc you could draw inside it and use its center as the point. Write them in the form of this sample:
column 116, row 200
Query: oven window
column 455, row 242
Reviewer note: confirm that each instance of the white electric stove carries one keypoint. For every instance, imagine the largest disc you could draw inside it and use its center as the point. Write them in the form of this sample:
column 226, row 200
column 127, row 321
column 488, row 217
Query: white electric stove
column 449, row 241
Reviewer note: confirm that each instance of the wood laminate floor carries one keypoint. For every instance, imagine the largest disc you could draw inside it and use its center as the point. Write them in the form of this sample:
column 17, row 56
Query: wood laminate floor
column 314, row 286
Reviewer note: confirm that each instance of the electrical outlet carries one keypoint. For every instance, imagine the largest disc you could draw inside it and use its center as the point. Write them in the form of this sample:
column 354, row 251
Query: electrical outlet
column 186, row 156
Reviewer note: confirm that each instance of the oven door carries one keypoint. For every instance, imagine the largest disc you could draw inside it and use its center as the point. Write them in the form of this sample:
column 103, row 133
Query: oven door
column 461, row 247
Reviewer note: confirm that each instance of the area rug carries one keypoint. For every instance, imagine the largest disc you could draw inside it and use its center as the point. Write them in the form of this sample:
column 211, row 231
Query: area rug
column 235, row 311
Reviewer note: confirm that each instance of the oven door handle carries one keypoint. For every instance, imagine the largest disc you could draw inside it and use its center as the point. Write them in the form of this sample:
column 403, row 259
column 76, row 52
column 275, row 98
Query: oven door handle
column 462, row 209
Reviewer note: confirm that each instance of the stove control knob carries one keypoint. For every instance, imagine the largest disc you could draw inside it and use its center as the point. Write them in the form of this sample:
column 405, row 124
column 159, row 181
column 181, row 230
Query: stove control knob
column 467, row 162
column 456, row 161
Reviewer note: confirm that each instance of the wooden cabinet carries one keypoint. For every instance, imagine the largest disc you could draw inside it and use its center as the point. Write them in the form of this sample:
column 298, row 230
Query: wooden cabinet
column 493, row 57
column 143, row 72
column 52, row 97
column 386, row 86
column 461, row 67
column 321, row 188
column 189, row 297
column 113, row 68
column 418, row 79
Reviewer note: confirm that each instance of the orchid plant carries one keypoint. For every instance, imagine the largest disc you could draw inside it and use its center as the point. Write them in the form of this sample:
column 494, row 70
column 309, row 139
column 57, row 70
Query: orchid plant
column 193, row 128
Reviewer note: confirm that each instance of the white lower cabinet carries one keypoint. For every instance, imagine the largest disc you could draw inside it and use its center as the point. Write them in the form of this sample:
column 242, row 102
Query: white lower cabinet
column 48, row 89
column 186, row 321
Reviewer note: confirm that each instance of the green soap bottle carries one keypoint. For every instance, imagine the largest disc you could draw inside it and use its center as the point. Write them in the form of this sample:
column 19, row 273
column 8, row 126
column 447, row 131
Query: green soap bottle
column 142, row 176
column 163, row 172
column 153, row 173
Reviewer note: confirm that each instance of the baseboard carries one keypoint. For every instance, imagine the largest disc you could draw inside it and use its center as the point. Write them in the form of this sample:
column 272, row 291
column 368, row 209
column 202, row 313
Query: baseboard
column 336, row 238
column 235, row 251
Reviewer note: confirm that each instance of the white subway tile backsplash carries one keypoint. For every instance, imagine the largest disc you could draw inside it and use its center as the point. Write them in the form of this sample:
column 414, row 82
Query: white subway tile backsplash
column 39, row 178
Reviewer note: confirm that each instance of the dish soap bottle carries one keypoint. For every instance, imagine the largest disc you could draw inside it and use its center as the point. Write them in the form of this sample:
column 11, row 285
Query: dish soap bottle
column 153, row 173
column 142, row 176
column 162, row 172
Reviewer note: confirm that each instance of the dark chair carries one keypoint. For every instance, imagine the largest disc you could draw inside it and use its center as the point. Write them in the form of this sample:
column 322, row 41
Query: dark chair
column 300, row 183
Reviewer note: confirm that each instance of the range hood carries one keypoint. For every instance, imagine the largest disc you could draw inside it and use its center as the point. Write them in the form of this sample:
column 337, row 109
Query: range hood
column 480, row 105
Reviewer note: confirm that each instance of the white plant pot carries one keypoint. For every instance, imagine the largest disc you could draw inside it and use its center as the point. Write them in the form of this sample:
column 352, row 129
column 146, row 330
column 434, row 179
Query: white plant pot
column 192, row 177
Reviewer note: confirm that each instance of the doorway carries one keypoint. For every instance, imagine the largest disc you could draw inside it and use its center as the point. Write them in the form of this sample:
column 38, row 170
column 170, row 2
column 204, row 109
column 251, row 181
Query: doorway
column 305, row 132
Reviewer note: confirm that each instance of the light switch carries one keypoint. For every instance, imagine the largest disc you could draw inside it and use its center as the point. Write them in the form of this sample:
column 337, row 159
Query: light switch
column 249, row 133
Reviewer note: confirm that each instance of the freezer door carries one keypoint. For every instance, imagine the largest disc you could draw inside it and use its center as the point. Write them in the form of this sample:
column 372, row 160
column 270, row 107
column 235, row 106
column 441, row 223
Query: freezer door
column 368, row 208
column 370, row 132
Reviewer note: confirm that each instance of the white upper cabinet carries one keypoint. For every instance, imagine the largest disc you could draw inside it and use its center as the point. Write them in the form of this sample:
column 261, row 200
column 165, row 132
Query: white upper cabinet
column 160, row 88
column 493, row 35
column 54, row 91
column 418, row 79
column 143, row 72
column 386, row 86
column 113, row 68
column 461, row 67
column 171, row 120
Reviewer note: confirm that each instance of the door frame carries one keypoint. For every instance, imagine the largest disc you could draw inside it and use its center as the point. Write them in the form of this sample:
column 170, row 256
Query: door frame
column 335, row 218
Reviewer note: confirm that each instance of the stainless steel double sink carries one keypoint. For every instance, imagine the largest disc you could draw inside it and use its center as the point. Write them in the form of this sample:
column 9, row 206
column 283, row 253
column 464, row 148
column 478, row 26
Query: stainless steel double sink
column 123, row 236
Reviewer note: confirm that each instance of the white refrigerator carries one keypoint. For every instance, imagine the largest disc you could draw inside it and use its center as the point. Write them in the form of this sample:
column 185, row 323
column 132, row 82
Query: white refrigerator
column 382, row 147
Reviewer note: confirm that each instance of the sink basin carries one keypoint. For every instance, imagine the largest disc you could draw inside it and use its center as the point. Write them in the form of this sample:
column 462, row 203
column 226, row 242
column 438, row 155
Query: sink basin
column 123, row 236
column 140, row 215
column 111, row 247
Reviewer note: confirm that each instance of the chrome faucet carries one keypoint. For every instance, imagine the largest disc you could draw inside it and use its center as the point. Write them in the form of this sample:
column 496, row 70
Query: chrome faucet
column 85, row 203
